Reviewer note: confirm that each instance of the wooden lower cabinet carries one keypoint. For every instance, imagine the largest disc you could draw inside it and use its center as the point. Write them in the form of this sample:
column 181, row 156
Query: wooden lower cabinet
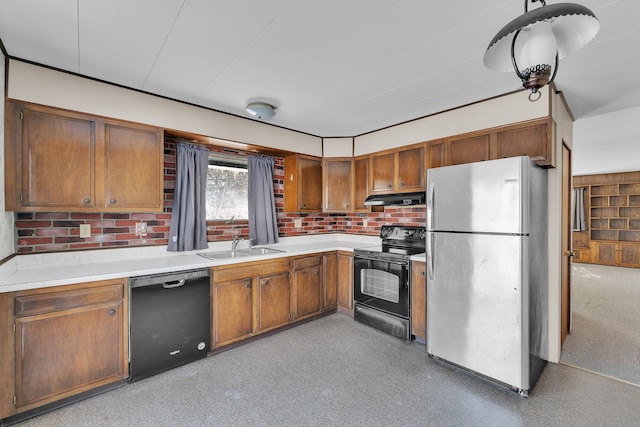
column 68, row 340
column 232, row 311
column 307, row 286
column 418, row 300
column 274, row 301
column 330, row 281
column 249, row 298
column 345, row 282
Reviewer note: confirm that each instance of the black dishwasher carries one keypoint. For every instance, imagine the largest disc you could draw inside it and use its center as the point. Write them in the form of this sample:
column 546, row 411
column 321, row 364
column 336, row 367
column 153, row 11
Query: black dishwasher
column 170, row 321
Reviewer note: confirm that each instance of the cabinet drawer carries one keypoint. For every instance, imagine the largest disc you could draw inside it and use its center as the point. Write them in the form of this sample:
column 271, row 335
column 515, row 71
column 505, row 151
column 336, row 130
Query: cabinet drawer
column 224, row 273
column 29, row 305
column 306, row 262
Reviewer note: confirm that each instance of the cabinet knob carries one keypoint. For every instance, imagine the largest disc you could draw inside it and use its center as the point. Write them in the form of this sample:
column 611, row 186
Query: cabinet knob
column 247, row 285
column 86, row 200
column 112, row 312
column 112, row 201
column 315, row 272
column 265, row 282
column 402, row 184
column 422, row 273
column 390, row 185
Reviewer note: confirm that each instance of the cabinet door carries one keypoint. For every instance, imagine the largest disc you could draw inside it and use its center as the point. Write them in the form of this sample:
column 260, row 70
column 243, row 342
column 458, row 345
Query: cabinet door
column 382, row 172
column 337, row 185
column 629, row 254
column 345, row 282
column 360, row 182
column 134, row 168
column 275, row 300
column 436, row 154
column 330, row 280
column 58, row 160
column 62, row 353
column 606, row 253
column 410, row 167
column 418, row 300
column 530, row 140
column 232, row 304
column 308, row 291
column 310, row 185
column 469, row 150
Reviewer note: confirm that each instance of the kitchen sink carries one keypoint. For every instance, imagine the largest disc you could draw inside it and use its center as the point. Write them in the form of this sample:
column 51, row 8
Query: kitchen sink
column 259, row 251
column 224, row 254
column 239, row 253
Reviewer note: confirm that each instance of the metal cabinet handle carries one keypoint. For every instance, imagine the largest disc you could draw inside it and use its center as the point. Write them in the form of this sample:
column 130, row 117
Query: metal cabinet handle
column 112, row 201
column 247, row 285
column 112, row 312
column 422, row 273
column 265, row 282
column 86, row 200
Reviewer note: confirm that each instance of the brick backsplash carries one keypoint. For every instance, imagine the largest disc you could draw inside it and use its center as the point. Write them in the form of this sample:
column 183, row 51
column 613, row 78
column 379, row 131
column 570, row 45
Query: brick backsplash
column 59, row 231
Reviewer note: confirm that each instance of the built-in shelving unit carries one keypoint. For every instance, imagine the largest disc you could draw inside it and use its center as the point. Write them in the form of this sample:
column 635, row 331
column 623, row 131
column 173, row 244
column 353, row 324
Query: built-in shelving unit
column 613, row 207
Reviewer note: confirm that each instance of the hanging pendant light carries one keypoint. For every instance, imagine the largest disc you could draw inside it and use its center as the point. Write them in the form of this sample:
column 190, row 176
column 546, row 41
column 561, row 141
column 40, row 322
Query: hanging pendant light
column 533, row 43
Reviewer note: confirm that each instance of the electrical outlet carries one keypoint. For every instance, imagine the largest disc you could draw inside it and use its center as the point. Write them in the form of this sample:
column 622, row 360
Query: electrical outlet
column 85, row 230
column 364, row 222
column 141, row 229
column 297, row 223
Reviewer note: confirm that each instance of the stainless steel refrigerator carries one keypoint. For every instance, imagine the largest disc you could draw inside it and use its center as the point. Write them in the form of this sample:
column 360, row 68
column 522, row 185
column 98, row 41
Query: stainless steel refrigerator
column 487, row 269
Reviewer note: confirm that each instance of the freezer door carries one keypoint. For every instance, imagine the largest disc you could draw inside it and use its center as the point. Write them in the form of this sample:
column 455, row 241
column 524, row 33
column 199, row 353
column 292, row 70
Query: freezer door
column 485, row 197
column 476, row 316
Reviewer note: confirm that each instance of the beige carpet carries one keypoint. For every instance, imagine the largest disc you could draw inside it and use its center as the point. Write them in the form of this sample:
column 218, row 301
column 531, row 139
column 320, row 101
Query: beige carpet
column 605, row 335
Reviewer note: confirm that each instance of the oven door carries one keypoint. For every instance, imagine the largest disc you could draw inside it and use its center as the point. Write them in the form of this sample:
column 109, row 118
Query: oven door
column 381, row 284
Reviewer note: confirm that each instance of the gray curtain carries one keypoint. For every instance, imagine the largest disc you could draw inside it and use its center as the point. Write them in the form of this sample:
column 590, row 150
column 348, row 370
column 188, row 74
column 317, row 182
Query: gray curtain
column 188, row 230
column 263, row 226
column 578, row 217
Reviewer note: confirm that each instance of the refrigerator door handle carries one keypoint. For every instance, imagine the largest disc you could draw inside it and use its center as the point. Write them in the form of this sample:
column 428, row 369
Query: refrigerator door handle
column 430, row 260
column 430, row 206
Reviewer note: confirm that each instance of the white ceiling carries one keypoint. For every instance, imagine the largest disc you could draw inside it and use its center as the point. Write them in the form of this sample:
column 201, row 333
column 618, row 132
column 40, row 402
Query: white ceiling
column 331, row 67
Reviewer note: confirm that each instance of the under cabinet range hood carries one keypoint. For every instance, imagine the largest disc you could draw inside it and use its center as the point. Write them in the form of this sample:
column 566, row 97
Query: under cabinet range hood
column 396, row 199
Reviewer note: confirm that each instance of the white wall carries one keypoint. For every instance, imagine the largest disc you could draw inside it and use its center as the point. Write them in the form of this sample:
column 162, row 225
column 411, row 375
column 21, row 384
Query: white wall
column 607, row 143
column 7, row 240
column 337, row 147
column 28, row 82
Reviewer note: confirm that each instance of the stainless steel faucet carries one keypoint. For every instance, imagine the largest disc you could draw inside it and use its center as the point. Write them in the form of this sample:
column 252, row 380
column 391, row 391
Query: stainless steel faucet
column 235, row 241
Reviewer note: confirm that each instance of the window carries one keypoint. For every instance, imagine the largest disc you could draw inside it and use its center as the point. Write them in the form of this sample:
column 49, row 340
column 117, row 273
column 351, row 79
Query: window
column 227, row 187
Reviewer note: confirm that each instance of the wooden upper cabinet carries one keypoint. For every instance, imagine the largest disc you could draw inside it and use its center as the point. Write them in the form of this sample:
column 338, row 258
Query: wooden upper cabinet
column 531, row 139
column 360, row 183
column 410, row 168
column 437, row 154
column 134, row 170
column 302, row 183
column 469, row 149
column 338, row 184
column 398, row 170
column 66, row 161
column 58, row 160
column 382, row 172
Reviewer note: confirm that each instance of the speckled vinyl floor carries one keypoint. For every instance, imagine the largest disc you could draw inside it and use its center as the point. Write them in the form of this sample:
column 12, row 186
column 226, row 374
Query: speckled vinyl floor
column 336, row 372
column 605, row 334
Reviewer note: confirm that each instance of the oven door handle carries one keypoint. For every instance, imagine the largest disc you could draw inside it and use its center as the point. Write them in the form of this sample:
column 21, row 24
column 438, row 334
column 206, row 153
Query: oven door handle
column 430, row 260
column 381, row 259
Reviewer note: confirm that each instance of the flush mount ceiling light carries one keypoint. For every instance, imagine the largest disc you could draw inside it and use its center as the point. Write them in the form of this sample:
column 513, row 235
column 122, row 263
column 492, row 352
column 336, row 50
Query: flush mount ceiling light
column 533, row 43
column 260, row 110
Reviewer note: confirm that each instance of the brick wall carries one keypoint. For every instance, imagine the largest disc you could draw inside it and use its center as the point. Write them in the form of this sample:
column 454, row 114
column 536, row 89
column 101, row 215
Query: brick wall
column 59, row 231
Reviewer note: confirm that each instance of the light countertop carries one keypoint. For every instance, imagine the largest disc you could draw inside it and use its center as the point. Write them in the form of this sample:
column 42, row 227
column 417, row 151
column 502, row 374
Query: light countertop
column 45, row 270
